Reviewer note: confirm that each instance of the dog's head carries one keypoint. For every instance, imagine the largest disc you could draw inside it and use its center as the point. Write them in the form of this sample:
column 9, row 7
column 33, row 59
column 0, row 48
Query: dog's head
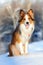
column 27, row 21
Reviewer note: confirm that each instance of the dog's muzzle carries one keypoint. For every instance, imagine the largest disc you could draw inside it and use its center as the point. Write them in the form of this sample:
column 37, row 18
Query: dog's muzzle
column 27, row 25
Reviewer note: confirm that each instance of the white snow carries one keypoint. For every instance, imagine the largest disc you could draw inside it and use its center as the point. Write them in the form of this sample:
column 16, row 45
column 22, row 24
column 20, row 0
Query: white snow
column 36, row 46
column 35, row 56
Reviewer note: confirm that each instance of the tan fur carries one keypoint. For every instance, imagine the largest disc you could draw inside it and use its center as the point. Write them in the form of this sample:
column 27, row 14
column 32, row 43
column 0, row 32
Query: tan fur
column 13, row 50
column 31, row 13
column 31, row 22
column 16, row 37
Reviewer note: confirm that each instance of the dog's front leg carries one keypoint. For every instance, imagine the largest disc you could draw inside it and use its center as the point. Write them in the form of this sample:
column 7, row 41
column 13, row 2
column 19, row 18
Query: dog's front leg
column 21, row 49
column 26, row 48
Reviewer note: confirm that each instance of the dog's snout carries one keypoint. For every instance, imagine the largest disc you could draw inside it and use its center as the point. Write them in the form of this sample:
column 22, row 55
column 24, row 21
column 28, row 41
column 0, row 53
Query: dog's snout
column 27, row 22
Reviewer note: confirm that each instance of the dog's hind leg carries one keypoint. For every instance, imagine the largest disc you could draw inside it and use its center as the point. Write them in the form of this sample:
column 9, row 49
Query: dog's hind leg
column 13, row 51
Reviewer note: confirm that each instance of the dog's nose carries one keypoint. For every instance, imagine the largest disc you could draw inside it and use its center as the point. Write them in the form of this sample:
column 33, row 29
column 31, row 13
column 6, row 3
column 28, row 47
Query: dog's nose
column 27, row 22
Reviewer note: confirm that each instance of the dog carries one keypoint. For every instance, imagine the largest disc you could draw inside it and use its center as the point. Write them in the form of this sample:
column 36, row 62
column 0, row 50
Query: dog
column 22, row 34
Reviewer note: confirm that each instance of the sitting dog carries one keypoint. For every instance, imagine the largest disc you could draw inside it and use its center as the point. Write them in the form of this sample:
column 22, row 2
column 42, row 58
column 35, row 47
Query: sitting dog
column 22, row 34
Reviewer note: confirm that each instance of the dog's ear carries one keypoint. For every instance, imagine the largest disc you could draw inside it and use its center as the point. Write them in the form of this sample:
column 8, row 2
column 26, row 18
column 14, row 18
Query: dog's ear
column 30, row 12
column 22, row 13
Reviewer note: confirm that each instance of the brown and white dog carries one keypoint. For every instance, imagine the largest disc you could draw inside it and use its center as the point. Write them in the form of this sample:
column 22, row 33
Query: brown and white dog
column 22, row 34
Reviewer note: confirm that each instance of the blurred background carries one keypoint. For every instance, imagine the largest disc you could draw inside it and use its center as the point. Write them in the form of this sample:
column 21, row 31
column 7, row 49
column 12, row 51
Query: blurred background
column 9, row 16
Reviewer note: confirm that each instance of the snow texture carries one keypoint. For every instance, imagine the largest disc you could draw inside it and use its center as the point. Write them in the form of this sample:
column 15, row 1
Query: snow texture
column 35, row 56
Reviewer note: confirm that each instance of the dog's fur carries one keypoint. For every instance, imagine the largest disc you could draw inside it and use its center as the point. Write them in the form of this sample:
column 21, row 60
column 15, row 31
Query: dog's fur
column 22, row 34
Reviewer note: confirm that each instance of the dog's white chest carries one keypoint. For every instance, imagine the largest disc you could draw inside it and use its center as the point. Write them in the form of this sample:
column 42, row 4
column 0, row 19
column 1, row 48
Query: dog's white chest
column 24, row 37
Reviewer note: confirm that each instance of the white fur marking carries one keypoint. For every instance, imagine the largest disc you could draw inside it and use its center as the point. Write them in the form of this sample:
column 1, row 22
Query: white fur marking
column 26, row 17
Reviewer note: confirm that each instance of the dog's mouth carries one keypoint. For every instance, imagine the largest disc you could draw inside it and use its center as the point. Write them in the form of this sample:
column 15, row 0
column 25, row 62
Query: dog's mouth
column 27, row 26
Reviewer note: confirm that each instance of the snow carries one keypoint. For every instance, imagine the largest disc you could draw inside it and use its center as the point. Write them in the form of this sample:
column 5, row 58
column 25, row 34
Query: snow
column 36, row 46
column 35, row 56
column 5, row 1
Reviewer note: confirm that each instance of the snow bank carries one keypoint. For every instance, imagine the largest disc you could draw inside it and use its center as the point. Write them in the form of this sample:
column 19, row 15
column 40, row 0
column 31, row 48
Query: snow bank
column 35, row 56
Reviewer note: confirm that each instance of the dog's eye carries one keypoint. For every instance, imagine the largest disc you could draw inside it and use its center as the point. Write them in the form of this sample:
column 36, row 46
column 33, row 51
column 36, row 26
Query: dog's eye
column 24, row 19
column 29, row 18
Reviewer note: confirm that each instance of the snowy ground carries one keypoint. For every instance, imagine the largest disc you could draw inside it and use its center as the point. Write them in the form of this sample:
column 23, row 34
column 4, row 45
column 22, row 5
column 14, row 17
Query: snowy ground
column 35, row 56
